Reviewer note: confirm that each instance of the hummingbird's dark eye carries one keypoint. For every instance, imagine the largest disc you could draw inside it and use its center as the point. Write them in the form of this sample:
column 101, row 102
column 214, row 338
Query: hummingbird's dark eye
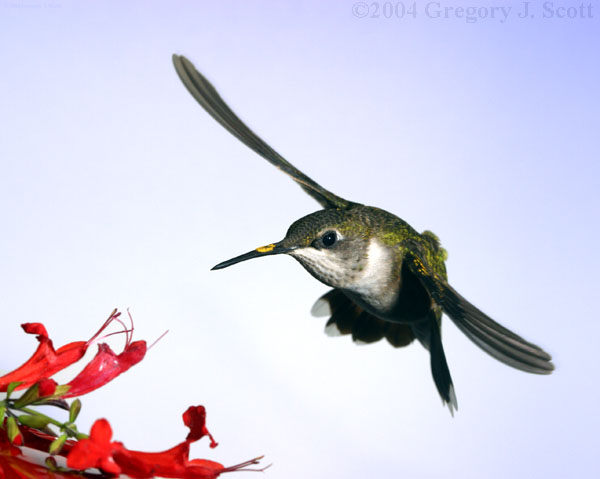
column 329, row 239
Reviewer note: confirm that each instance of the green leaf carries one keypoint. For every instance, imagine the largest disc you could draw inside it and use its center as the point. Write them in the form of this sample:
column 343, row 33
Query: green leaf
column 74, row 411
column 28, row 397
column 12, row 429
column 36, row 422
column 11, row 387
column 2, row 413
column 57, row 444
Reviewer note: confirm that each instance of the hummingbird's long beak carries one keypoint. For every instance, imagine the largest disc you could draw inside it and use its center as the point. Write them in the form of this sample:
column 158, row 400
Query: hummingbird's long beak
column 273, row 248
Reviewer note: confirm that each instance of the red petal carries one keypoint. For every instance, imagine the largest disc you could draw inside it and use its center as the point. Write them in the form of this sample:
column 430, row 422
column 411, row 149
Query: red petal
column 104, row 367
column 101, row 433
column 82, row 455
column 108, row 465
column 35, row 328
column 195, row 419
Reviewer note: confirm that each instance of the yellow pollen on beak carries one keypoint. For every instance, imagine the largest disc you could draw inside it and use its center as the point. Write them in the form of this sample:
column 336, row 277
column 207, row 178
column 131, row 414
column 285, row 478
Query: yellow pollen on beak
column 266, row 249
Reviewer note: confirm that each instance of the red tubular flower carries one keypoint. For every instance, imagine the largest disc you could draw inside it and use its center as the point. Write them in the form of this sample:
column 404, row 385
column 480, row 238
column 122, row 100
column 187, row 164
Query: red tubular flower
column 45, row 361
column 98, row 450
column 105, row 366
column 114, row 458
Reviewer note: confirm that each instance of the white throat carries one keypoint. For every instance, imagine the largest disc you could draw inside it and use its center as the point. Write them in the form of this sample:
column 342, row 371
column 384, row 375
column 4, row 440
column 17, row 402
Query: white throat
column 371, row 281
column 373, row 284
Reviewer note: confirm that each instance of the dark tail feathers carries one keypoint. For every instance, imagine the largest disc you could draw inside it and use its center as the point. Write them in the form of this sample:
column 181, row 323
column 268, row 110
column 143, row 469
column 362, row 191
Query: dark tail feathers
column 428, row 333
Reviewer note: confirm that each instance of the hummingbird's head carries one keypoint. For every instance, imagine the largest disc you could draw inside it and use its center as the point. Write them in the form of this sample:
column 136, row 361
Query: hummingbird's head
column 331, row 244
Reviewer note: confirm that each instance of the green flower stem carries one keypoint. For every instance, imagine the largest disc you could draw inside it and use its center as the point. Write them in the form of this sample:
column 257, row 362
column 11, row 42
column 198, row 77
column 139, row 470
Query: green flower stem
column 63, row 426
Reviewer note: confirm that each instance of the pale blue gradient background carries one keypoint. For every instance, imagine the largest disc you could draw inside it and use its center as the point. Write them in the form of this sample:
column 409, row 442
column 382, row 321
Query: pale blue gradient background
column 116, row 189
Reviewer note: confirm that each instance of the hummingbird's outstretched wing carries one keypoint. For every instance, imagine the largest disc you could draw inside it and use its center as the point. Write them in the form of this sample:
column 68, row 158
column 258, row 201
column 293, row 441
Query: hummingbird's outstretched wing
column 346, row 317
column 211, row 101
column 486, row 333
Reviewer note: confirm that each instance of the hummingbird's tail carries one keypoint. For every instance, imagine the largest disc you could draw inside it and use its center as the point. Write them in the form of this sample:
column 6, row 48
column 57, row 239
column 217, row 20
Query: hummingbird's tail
column 428, row 333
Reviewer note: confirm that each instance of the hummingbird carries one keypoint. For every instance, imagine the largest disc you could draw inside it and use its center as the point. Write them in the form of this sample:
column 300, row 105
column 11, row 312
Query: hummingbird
column 388, row 281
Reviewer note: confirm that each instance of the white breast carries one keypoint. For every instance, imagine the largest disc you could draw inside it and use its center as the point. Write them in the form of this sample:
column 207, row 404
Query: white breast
column 373, row 285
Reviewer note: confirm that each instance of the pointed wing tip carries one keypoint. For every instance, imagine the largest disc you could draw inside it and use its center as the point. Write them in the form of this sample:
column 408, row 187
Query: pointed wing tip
column 177, row 59
column 177, row 56
column 547, row 368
